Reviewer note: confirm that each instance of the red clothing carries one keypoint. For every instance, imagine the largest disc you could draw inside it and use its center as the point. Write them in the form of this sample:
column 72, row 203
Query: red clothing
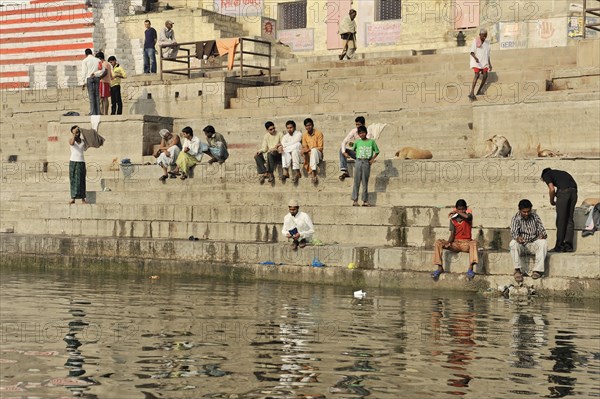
column 462, row 229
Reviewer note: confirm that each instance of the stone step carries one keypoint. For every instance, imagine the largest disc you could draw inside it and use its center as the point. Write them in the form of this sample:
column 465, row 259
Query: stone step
column 488, row 205
column 413, row 216
column 496, row 267
column 412, row 173
column 176, row 222
column 526, row 57
column 411, row 95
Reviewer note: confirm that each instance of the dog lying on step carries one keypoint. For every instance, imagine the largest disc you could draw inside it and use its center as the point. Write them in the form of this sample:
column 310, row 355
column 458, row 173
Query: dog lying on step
column 547, row 153
column 498, row 147
column 413, row 153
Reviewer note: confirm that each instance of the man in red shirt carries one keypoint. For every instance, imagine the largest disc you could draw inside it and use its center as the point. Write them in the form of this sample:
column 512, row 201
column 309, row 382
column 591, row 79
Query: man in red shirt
column 461, row 222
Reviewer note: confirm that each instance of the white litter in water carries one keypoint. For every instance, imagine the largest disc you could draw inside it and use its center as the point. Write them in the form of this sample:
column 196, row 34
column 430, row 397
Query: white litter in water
column 360, row 294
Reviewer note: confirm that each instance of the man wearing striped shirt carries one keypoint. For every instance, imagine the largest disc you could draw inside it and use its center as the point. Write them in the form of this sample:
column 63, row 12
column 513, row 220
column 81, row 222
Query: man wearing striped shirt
column 528, row 236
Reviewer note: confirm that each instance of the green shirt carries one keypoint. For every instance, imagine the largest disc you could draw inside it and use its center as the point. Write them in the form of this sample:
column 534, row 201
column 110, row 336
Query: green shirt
column 365, row 148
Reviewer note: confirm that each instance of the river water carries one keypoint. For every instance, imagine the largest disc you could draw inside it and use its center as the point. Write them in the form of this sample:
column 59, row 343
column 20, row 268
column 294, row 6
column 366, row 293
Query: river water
column 68, row 334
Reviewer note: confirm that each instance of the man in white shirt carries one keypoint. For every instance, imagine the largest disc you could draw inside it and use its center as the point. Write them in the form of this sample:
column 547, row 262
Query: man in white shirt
column 90, row 78
column 347, row 32
column 297, row 226
column 190, row 155
column 480, row 61
column 291, row 144
column 347, row 142
column 167, row 36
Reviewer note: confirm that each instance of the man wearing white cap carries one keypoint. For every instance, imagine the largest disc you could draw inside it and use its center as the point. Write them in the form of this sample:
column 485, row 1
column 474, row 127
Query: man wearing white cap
column 297, row 226
column 167, row 153
column 167, row 36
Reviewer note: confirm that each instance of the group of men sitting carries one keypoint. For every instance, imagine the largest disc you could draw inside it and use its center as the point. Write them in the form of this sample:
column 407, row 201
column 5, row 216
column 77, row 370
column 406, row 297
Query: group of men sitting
column 527, row 230
column 177, row 157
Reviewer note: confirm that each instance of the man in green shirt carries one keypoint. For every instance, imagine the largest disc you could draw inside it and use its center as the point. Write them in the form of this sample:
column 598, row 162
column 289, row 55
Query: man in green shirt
column 366, row 151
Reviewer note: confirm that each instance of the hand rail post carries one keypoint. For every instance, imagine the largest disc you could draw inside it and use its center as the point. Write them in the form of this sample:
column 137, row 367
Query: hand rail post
column 242, row 58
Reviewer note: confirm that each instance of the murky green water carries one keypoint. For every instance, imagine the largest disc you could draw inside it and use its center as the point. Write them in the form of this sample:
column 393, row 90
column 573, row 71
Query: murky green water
column 70, row 335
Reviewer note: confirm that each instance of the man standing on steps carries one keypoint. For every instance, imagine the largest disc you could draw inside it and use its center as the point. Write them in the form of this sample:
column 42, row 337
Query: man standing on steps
column 528, row 235
column 562, row 190
column 349, row 140
column 167, row 36
column 480, row 61
column 116, row 102
column 366, row 151
column 297, row 225
column 150, row 39
column 347, row 32
column 104, row 85
column 91, row 80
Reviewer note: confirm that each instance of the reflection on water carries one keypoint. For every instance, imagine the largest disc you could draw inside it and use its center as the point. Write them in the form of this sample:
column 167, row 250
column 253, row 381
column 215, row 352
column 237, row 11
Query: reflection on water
column 106, row 336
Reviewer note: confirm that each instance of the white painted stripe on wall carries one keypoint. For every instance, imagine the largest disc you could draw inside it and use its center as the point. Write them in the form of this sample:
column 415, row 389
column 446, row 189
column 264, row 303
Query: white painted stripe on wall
column 25, row 56
column 34, row 35
column 43, row 43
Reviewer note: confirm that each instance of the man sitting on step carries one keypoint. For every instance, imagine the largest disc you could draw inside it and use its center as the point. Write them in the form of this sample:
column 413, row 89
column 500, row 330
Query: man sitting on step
column 217, row 146
column 297, row 225
column 270, row 149
column 291, row 144
column 312, row 148
column 528, row 236
column 461, row 223
column 167, row 153
column 190, row 154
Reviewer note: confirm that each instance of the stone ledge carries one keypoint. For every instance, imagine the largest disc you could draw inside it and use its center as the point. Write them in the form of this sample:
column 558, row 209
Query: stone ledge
column 241, row 261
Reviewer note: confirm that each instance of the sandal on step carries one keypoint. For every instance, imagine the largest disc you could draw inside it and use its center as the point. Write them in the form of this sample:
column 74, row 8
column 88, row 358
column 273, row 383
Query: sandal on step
column 470, row 275
column 518, row 276
column 536, row 275
column 436, row 274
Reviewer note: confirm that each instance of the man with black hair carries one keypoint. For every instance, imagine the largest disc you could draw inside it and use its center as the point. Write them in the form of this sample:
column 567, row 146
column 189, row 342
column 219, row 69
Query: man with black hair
column 562, row 190
column 528, row 235
column 348, row 141
column 461, row 223
column 91, row 79
column 270, row 149
column 116, row 102
column 312, row 148
column 217, row 146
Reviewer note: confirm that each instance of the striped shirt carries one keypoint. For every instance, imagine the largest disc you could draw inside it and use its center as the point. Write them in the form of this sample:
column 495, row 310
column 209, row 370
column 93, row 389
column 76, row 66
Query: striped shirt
column 530, row 229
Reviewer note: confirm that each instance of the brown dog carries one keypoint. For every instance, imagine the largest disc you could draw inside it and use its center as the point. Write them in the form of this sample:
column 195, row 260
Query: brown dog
column 547, row 153
column 413, row 153
column 590, row 201
column 498, row 147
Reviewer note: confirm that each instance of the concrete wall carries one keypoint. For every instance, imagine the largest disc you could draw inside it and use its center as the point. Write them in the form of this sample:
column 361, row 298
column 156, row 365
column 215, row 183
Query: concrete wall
column 130, row 137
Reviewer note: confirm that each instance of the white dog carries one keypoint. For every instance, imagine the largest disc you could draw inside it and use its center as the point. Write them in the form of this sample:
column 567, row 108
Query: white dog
column 498, row 147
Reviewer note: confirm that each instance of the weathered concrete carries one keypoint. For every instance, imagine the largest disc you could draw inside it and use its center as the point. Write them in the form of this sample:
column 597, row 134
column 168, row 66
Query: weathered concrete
column 376, row 267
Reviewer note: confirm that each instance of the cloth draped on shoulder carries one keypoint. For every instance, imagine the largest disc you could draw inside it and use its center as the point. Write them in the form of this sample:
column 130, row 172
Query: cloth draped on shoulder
column 90, row 136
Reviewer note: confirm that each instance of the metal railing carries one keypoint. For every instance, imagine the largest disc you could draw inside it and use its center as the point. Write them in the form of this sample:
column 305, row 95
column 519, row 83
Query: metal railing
column 190, row 53
column 593, row 12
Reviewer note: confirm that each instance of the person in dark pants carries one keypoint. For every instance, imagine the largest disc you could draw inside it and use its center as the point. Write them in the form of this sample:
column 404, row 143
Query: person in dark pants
column 563, row 193
column 116, row 103
column 269, row 149
column 150, row 38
